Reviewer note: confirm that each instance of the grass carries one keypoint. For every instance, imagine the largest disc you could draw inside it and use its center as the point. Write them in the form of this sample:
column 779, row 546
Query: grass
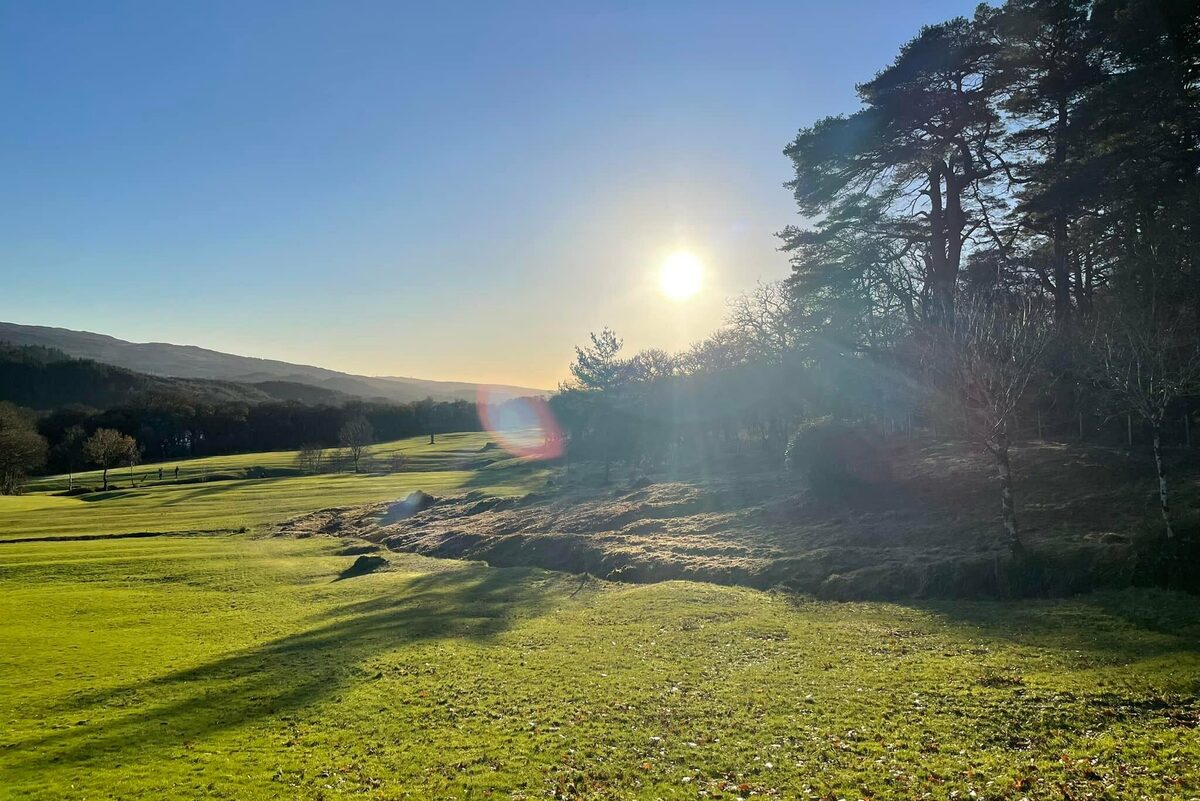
column 449, row 451
column 232, row 667
column 1089, row 521
column 446, row 467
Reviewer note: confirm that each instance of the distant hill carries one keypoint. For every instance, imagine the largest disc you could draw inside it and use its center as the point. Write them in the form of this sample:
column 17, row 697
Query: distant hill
column 295, row 391
column 39, row 377
column 189, row 361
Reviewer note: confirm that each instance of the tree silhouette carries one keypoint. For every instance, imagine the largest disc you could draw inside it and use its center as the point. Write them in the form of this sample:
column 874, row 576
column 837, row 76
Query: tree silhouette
column 107, row 447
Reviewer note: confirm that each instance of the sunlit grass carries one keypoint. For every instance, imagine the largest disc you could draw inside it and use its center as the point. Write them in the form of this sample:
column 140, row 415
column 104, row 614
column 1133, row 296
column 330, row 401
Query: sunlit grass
column 449, row 450
column 443, row 468
column 239, row 668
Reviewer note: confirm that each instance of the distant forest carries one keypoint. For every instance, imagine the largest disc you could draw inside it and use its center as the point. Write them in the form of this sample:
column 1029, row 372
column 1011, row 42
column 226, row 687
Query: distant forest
column 1004, row 242
column 45, row 378
column 174, row 417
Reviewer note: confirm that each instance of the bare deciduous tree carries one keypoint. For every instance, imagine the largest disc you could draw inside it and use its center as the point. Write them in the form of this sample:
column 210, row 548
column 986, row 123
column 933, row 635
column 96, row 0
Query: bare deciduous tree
column 133, row 457
column 652, row 364
column 1143, row 363
column 988, row 358
column 721, row 351
column 106, row 447
column 309, row 458
column 355, row 436
column 763, row 321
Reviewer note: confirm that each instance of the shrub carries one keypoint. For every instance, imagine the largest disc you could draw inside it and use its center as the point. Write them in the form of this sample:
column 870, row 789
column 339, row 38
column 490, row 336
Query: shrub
column 833, row 458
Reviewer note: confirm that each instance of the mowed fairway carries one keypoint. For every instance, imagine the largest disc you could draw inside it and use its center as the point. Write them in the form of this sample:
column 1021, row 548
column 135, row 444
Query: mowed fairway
column 452, row 465
column 235, row 667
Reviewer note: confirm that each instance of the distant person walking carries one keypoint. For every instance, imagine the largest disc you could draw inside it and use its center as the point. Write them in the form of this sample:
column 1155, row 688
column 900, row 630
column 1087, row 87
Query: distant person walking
column 176, row 472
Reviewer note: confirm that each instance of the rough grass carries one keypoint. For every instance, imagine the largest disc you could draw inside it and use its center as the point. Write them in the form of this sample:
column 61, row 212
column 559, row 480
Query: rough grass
column 451, row 465
column 229, row 667
column 1089, row 518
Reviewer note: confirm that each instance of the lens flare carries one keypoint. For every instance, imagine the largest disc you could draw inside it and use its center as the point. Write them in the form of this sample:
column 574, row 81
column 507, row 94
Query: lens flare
column 524, row 427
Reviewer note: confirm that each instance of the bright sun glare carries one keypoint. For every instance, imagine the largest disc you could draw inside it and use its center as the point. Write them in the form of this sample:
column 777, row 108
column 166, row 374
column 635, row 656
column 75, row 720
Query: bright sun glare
column 680, row 275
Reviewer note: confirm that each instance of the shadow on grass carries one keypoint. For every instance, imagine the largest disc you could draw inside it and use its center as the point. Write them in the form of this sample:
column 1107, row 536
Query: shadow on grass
column 288, row 673
column 109, row 495
column 1115, row 625
column 216, row 488
column 486, row 474
column 233, row 483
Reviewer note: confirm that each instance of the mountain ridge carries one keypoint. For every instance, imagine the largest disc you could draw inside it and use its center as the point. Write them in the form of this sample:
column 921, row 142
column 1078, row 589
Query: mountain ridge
column 194, row 361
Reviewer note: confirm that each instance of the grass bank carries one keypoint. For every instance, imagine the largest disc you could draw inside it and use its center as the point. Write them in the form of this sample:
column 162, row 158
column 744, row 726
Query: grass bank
column 1089, row 521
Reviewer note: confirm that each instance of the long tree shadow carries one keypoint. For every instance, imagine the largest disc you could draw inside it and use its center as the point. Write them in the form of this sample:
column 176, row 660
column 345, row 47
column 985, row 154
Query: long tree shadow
column 110, row 495
column 1112, row 625
column 293, row 671
column 215, row 488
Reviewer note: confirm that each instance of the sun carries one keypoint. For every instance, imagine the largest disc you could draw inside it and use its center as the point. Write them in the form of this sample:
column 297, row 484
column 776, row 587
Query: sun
column 681, row 275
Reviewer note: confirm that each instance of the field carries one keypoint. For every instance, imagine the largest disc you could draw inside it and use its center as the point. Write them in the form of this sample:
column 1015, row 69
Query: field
column 228, row 667
column 233, row 665
column 452, row 464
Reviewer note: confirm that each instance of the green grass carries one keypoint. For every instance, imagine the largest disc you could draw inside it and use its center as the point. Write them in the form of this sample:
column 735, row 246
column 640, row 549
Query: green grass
column 230, row 667
column 443, row 468
column 450, row 451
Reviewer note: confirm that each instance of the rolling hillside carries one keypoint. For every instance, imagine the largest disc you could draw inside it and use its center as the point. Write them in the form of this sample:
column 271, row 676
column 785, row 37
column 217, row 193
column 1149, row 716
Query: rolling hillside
column 46, row 378
column 189, row 361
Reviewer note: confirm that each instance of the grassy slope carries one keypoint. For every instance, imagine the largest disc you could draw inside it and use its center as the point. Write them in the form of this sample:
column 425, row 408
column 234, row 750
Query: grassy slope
column 158, row 507
column 1088, row 515
column 449, row 450
column 228, row 667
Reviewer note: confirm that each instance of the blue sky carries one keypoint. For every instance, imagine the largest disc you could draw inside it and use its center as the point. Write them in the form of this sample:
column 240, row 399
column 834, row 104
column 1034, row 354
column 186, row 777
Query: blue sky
column 450, row 190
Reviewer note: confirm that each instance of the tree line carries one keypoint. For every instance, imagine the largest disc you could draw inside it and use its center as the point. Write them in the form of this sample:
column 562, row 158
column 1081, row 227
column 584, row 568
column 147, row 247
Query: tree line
column 1009, row 226
column 178, row 426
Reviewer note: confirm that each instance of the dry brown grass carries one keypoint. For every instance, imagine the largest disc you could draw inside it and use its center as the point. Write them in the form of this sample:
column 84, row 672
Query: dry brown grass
column 931, row 530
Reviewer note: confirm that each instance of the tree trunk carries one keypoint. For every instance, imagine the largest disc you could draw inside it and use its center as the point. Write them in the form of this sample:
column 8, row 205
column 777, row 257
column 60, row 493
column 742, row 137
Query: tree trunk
column 1162, row 482
column 1062, row 271
column 1062, row 264
column 941, row 276
column 1007, row 510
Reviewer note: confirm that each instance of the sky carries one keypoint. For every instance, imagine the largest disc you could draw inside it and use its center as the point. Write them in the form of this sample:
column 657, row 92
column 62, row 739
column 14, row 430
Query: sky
column 457, row 191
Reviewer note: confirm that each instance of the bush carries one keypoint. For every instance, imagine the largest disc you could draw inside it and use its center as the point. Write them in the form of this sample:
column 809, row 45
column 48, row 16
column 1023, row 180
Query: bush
column 833, row 458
